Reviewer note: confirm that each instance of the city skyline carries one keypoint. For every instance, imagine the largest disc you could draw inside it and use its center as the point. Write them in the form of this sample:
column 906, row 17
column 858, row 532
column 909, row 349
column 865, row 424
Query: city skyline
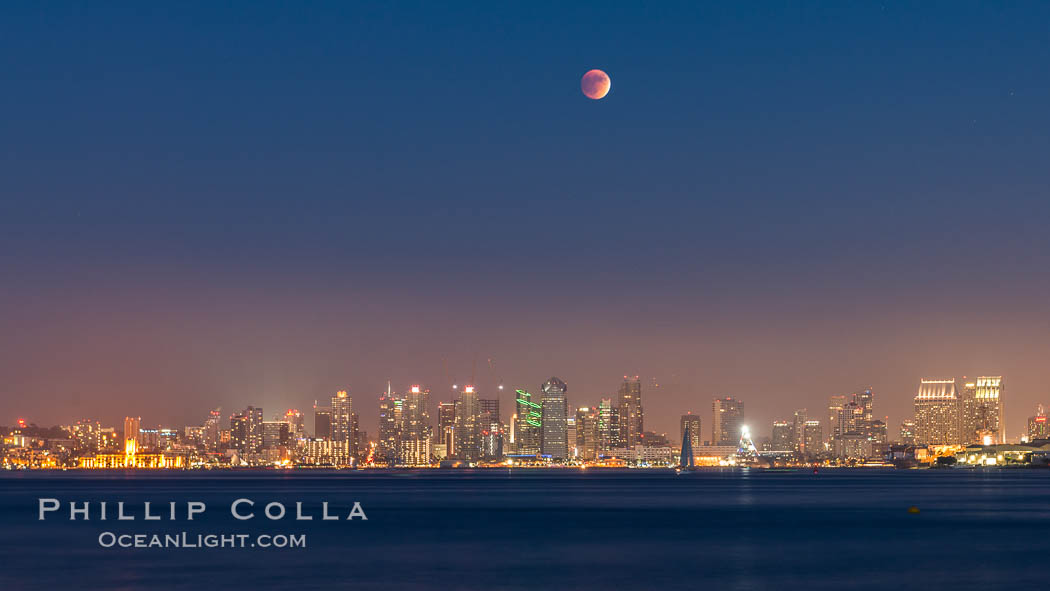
column 773, row 203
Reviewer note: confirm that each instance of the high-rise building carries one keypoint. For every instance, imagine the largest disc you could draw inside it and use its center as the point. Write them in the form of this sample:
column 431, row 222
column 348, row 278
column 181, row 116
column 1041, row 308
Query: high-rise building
column 632, row 418
column 468, row 422
column 446, row 426
column 907, row 432
column 988, row 409
column 1038, row 426
column 554, row 442
column 529, row 431
column 690, row 422
column 132, row 443
column 416, row 430
column 727, row 421
column 587, row 432
column 211, row 430
column 836, row 404
column 246, row 434
column 275, row 434
column 390, row 407
column 323, row 424
column 490, row 429
column 342, row 426
column 937, row 412
column 296, row 426
column 812, row 439
column 608, row 426
column 798, row 441
column 783, row 438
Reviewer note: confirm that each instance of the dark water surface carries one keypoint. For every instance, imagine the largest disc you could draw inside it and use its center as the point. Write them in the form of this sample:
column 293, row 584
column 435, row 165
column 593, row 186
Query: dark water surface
column 540, row 529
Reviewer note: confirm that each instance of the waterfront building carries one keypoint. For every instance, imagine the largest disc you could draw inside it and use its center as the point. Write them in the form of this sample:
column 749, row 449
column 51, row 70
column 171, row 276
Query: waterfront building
column 342, row 425
column 907, row 432
column 446, row 426
column 1038, row 427
column 275, row 434
column 937, row 412
column 587, row 432
column 988, row 410
column 836, row 405
column 554, row 406
column 490, row 429
column 389, row 427
column 131, row 434
column 812, row 439
column 529, row 430
column 468, row 422
column 691, row 423
column 798, row 424
column 783, row 438
column 632, row 417
column 416, row 431
column 322, row 423
column 608, row 425
column 727, row 421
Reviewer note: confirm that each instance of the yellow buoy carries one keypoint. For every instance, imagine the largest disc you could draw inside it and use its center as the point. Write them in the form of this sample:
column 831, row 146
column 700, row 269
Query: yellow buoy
column 913, row 510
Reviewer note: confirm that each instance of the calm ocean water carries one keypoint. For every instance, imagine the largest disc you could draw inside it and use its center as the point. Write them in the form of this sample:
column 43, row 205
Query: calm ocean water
column 558, row 529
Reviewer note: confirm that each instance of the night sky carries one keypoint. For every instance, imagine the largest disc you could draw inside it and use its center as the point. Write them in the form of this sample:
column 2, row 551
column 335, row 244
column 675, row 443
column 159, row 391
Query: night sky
column 230, row 204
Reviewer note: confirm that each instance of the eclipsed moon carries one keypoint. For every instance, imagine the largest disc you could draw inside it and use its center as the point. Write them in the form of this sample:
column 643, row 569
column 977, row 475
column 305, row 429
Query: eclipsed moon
column 595, row 84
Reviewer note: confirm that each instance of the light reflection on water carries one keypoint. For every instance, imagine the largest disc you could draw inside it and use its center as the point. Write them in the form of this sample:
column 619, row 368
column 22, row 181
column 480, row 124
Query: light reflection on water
column 558, row 529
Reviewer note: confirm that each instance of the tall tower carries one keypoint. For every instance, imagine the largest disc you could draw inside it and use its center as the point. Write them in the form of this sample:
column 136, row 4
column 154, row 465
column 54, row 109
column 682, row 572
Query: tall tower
column 937, row 413
column 490, row 428
column 446, row 426
column 416, row 430
column 989, row 418
column 555, row 426
column 468, row 419
column 389, row 426
column 691, row 423
column 131, row 434
column 631, row 416
column 528, row 431
column 342, row 425
column 727, row 421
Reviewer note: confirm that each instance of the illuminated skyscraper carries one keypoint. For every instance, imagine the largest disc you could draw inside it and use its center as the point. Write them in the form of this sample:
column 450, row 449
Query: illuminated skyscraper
column 988, row 409
column 632, row 419
column 836, row 403
column 554, row 442
column 692, row 423
column 529, row 430
column 783, row 438
column 587, row 430
column 907, row 432
column 212, row 430
column 296, row 427
column 446, row 426
column 342, row 426
column 275, row 434
column 389, row 426
column 727, row 421
column 1038, row 427
column 937, row 413
column 468, row 425
column 132, row 444
column 608, row 426
column 812, row 439
column 490, row 429
column 416, row 430
column 798, row 441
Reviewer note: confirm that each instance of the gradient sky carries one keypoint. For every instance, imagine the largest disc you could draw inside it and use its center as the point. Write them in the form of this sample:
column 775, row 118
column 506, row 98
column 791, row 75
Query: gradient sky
column 230, row 204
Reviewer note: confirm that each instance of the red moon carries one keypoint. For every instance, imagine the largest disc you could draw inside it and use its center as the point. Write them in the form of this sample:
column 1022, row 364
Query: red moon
column 595, row 84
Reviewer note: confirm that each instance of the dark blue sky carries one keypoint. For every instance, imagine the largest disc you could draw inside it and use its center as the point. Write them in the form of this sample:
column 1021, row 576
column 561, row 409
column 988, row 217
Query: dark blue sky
column 236, row 204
